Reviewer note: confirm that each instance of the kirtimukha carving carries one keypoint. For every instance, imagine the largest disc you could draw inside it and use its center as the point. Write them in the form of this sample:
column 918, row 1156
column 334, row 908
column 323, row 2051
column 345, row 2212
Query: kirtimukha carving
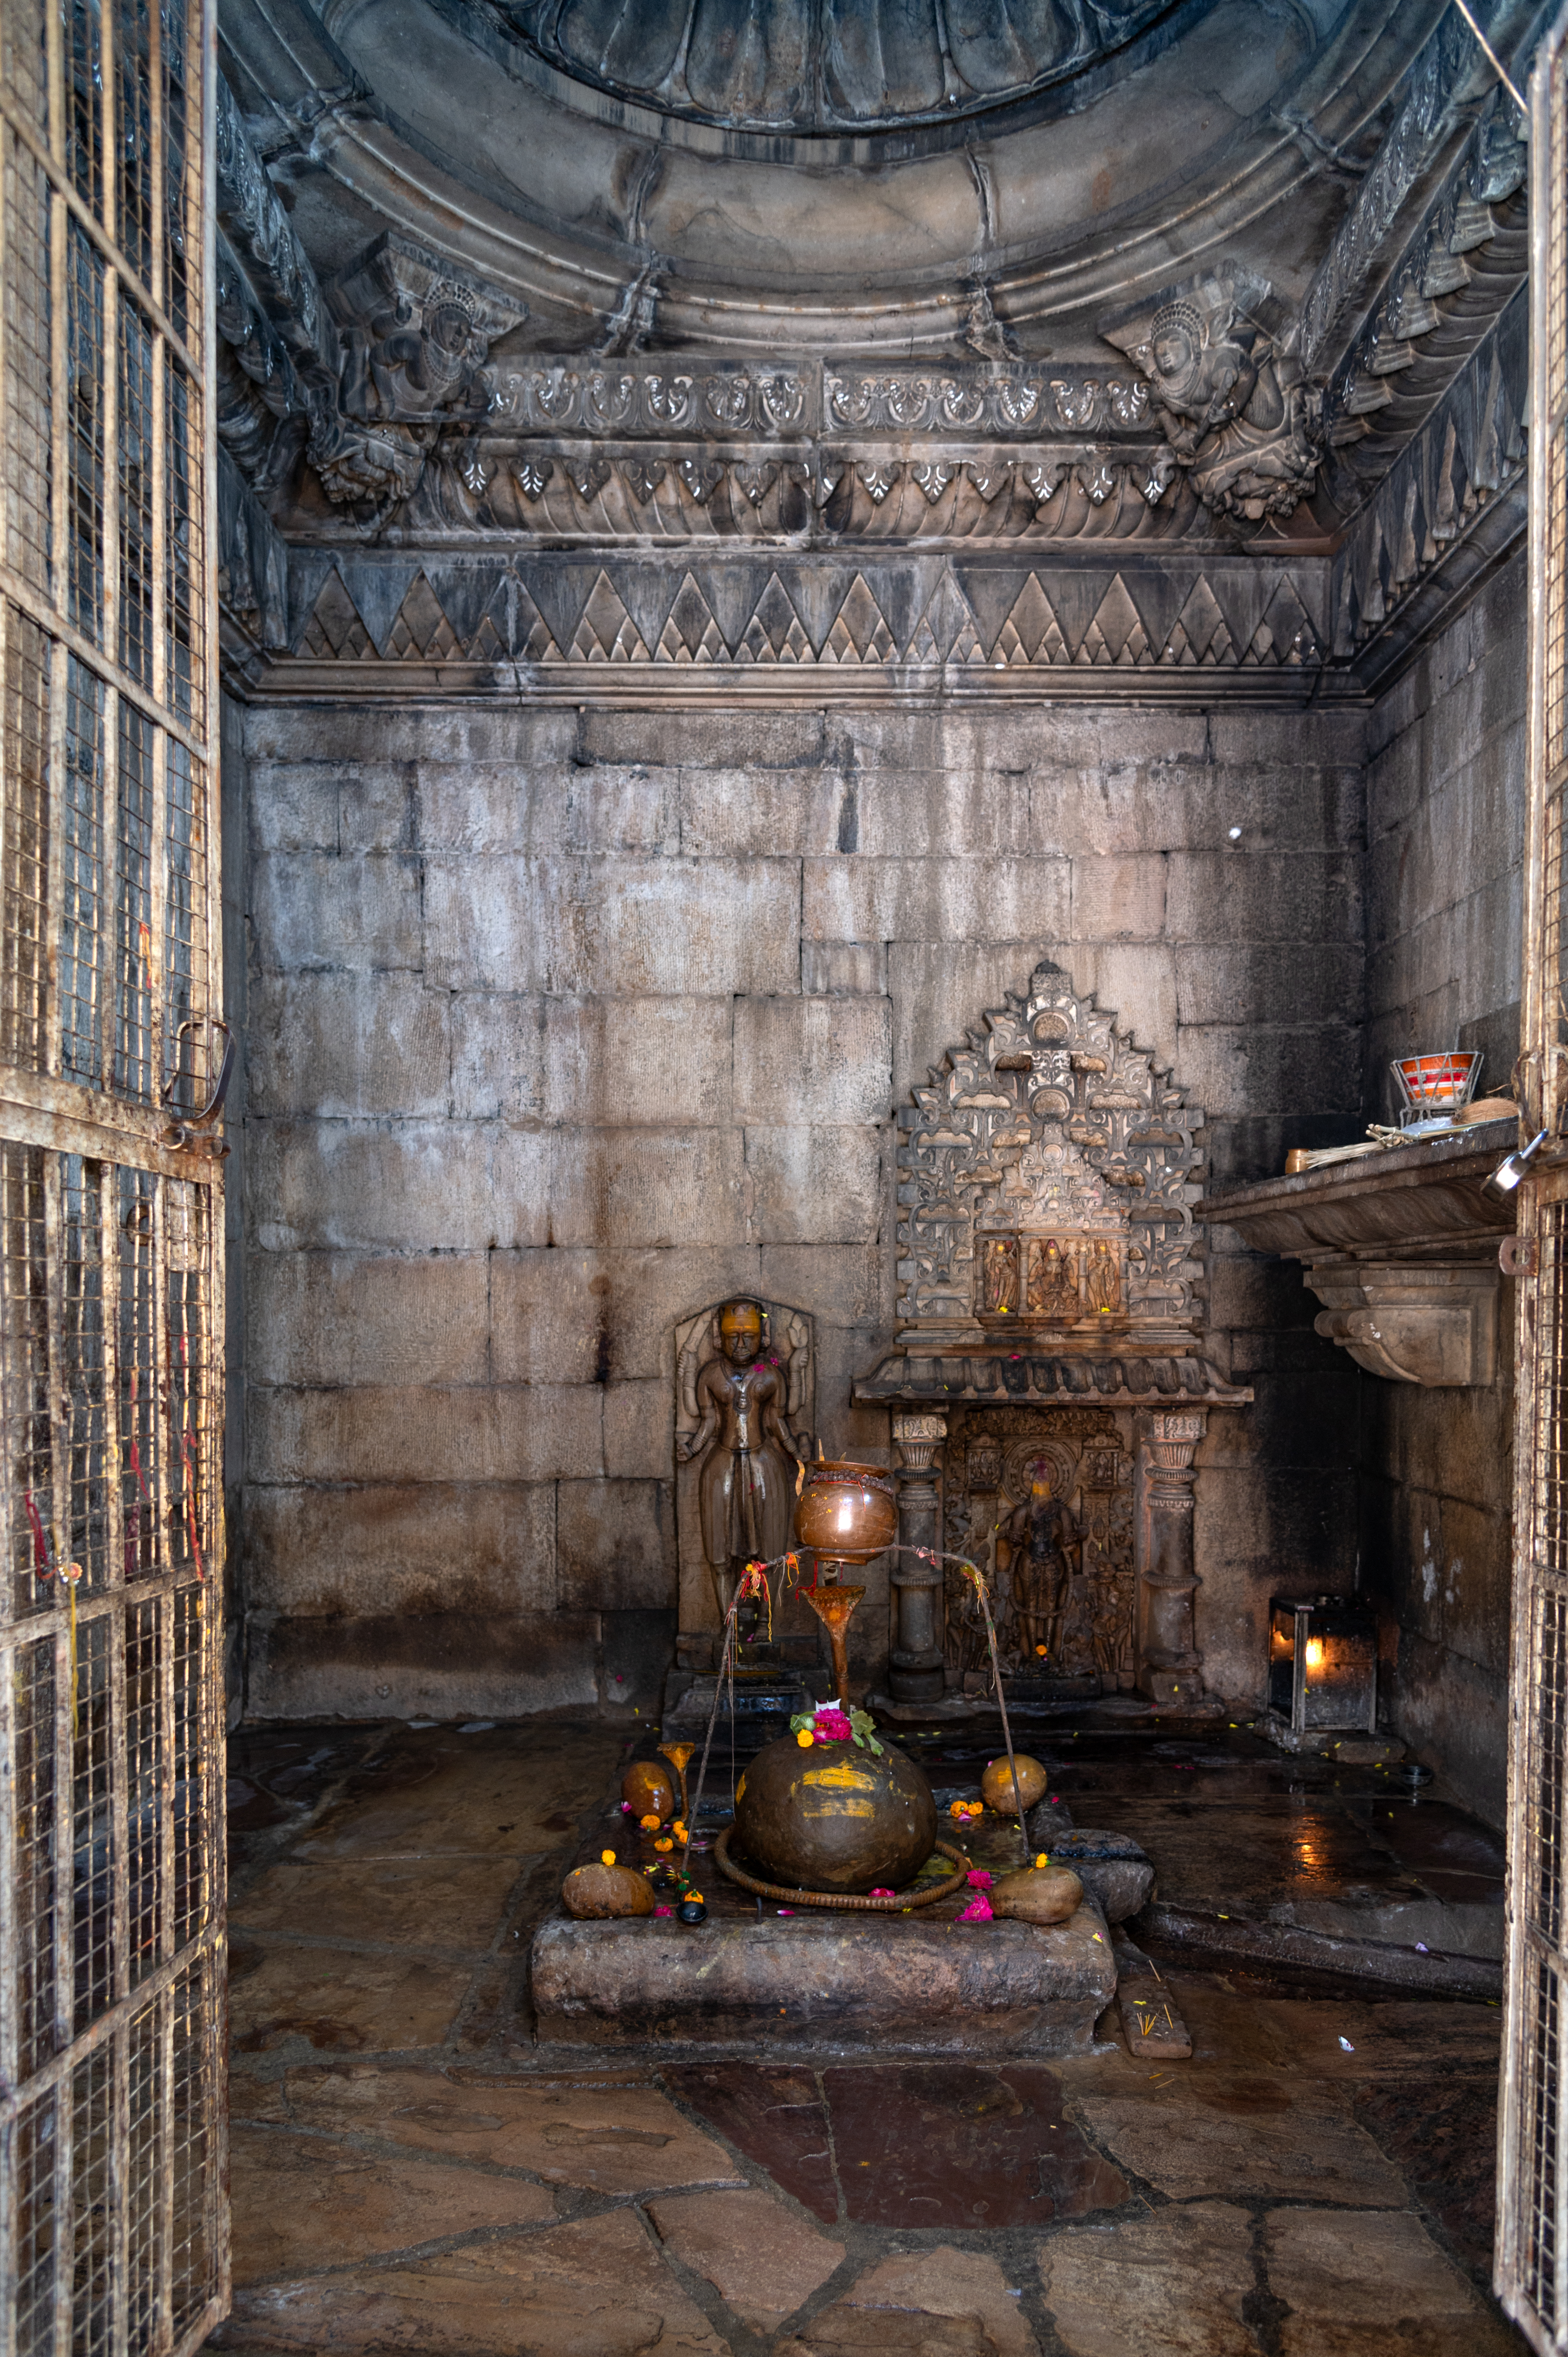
column 1236, row 410
column 737, row 1396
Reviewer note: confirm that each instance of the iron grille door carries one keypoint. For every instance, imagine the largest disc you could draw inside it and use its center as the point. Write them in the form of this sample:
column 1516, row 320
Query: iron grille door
column 1531, row 2261
column 113, row 2224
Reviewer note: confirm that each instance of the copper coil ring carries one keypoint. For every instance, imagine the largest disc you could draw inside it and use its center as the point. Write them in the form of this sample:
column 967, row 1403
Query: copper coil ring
column 897, row 1904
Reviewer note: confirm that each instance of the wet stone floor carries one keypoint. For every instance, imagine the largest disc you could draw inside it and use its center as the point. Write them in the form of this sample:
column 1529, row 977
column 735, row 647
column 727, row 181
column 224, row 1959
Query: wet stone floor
column 410, row 2171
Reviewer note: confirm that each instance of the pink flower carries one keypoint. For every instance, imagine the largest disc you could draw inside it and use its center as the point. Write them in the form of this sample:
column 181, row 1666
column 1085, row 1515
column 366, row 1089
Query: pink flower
column 626, row 1808
column 979, row 1880
column 833, row 1727
column 880, row 1893
column 978, row 1911
column 664, row 1911
column 786, row 1911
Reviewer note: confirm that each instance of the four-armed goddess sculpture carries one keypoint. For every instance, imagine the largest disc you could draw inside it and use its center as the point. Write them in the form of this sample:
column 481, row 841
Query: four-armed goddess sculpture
column 747, row 1479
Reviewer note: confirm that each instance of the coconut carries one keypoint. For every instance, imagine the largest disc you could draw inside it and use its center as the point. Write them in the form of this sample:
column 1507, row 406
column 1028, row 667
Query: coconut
column 1037, row 1894
column 996, row 1784
column 606, row 1890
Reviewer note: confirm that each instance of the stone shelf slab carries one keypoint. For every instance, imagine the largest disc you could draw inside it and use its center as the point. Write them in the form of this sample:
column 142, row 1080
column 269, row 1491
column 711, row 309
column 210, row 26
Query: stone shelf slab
column 1400, row 1248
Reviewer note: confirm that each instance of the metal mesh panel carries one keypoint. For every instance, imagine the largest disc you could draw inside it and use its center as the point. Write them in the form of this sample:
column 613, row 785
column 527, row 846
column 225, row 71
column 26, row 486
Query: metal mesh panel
column 28, row 457
column 86, row 879
column 136, row 478
column 84, row 428
column 135, row 210
column 23, row 876
column 136, row 1047
column 185, row 652
column 113, row 2219
column 1545, row 2034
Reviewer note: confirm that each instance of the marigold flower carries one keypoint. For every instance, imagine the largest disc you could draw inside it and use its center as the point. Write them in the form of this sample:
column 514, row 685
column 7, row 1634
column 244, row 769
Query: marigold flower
column 959, row 1809
column 649, row 1824
column 804, row 1737
column 1042, row 1859
column 679, row 1831
column 665, row 1843
column 606, row 1857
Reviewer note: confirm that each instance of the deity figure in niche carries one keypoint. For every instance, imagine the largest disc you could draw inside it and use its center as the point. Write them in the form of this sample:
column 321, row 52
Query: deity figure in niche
column 745, row 1483
column 1234, row 407
column 1033, row 1551
column 999, row 1275
column 1102, row 1280
column 1053, row 1282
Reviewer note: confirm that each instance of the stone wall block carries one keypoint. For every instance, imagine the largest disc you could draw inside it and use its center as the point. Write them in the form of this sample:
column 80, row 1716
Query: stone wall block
column 344, row 1317
column 1118, row 900
column 375, row 807
column 434, row 732
column 1299, row 897
column 939, row 987
column 615, row 1060
column 639, row 1431
column 848, row 1286
column 1298, row 983
column 308, row 910
column 947, row 899
column 646, row 1187
column 764, row 813
column 555, row 807
column 936, row 813
column 615, row 1544
column 722, row 741
column 1136, row 982
column 817, row 1186
column 580, row 1316
column 440, row 1665
column 293, row 805
column 828, row 1059
column 844, row 969
column 335, row 1045
column 442, row 1186
column 497, row 1057
column 427, row 1433
column 1252, row 1069
column 407, row 1547
column 659, row 927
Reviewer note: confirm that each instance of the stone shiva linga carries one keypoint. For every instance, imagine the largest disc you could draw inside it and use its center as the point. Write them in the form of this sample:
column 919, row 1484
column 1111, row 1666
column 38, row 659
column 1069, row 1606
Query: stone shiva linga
column 832, row 1808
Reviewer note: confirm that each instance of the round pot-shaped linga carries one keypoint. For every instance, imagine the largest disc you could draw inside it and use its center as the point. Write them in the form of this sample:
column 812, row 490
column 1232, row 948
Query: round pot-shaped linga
column 848, row 1512
column 834, row 1816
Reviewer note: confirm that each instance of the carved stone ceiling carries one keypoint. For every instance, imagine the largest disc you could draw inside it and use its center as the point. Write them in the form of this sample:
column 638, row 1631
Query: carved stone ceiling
column 815, row 273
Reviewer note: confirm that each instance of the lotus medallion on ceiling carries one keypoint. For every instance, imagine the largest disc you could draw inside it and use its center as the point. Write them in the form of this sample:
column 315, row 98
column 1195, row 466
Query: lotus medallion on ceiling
column 801, row 67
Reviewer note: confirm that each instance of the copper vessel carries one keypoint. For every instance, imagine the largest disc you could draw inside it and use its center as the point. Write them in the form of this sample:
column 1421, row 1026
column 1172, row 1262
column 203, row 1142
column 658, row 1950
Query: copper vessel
column 847, row 1512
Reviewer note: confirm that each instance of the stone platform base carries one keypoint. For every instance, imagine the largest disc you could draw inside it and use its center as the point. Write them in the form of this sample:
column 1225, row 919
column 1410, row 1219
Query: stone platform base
column 897, row 1984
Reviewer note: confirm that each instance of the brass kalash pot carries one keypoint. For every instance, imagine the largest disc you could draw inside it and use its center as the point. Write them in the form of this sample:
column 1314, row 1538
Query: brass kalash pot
column 836, row 1815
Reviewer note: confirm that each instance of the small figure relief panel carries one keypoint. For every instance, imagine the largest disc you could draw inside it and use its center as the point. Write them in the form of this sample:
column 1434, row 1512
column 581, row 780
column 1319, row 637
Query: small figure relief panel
column 1042, row 1500
column 1066, row 1280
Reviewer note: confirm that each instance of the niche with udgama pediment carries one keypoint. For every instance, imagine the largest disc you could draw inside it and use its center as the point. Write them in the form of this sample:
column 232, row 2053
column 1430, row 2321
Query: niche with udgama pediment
column 1047, row 1380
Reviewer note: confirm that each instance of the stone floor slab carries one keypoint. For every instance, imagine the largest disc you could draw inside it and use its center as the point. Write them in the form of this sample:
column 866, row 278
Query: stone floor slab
column 339, row 1999
column 615, row 2136
column 761, row 2259
column 1210, row 2137
column 775, row 2114
column 944, row 2144
column 942, row 2303
column 423, row 1902
column 597, row 2288
column 504, row 1790
column 1169, row 2283
column 1443, row 2135
column 1358, row 2284
column 301, row 2203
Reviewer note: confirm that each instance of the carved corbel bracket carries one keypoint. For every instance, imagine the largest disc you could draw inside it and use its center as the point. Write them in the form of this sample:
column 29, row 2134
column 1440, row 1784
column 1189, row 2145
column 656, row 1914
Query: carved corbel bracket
column 1434, row 1323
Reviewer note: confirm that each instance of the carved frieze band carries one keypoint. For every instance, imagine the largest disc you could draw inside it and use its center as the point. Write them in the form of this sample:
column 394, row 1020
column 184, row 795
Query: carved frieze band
column 925, row 615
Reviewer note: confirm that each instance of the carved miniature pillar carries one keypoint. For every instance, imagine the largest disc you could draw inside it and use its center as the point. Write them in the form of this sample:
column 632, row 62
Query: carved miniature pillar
column 1168, row 1662
column 915, row 1669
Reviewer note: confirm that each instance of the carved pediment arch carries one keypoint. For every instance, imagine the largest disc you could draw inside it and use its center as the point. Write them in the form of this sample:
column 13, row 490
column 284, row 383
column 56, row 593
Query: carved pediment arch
column 1046, row 1179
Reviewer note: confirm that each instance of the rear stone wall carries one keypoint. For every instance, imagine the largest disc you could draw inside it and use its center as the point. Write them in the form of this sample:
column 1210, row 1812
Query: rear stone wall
column 563, row 1024
column 1445, row 825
